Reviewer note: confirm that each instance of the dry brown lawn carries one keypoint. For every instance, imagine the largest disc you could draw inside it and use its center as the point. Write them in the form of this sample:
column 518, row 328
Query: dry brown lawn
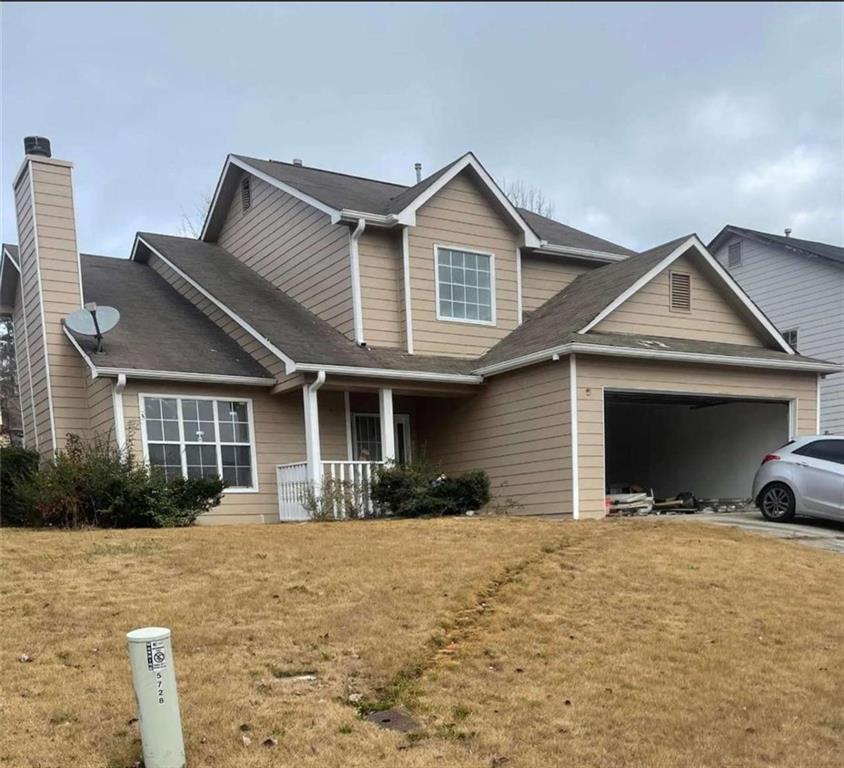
column 513, row 643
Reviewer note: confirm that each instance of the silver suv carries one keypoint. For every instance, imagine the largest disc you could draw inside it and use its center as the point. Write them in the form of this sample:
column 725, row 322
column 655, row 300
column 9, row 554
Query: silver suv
column 804, row 477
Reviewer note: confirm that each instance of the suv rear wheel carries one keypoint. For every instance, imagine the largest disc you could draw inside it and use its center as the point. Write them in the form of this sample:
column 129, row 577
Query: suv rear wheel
column 777, row 502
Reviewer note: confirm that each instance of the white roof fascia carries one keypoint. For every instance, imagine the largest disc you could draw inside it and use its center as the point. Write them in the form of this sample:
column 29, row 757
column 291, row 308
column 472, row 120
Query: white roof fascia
column 231, row 160
column 582, row 253
column 407, row 215
column 653, row 354
column 388, row 373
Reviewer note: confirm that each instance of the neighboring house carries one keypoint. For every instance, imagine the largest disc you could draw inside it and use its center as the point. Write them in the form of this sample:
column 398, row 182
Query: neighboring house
column 324, row 321
column 799, row 284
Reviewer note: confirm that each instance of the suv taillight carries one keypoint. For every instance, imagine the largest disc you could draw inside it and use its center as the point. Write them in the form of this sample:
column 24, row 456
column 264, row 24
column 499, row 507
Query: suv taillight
column 770, row 457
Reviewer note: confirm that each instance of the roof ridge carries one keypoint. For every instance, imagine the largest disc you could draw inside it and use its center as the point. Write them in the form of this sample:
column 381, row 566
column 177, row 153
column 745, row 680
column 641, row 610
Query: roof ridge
column 328, row 170
column 782, row 236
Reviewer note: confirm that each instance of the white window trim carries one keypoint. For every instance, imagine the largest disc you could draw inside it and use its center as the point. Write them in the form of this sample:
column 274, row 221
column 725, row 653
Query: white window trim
column 402, row 418
column 466, row 249
column 255, row 487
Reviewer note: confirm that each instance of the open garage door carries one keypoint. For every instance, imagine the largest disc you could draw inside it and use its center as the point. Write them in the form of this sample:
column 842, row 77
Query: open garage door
column 709, row 446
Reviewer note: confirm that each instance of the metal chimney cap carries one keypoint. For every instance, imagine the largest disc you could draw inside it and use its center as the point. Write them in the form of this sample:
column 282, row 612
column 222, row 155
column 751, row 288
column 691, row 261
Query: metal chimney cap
column 788, row 231
column 418, row 168
column 297, row 161
column 37, row 145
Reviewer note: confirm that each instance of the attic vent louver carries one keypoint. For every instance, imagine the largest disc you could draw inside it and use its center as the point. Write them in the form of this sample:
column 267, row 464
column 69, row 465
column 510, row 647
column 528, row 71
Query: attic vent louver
column 246, row 193
column 680, row 288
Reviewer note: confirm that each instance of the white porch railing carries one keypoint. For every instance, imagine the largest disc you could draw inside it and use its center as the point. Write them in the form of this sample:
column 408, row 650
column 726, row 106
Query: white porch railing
column 349, row 483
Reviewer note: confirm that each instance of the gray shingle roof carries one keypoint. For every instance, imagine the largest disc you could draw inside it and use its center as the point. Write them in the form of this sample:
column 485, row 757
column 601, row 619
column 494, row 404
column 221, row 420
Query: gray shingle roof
column 158, row 329
column 339, row 191
column 561, row 234
column 572, row 308
column 811, row 247
column 297, row 332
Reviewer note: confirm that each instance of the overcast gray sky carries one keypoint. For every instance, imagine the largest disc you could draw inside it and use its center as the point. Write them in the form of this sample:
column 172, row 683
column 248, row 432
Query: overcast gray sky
column 640, row 122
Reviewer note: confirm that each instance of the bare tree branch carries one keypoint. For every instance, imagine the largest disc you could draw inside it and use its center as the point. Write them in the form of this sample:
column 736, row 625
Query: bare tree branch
column 191, row 224
column 530, row 197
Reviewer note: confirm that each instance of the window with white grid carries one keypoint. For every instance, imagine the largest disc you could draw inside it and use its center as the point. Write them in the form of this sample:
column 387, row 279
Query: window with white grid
column 200, row 437
column 465, row 286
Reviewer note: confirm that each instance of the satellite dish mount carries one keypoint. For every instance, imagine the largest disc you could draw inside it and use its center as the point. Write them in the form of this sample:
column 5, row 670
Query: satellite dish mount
column 93, row 321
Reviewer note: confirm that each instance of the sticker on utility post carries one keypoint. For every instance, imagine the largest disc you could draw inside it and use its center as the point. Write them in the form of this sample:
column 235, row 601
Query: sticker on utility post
column 156, row 658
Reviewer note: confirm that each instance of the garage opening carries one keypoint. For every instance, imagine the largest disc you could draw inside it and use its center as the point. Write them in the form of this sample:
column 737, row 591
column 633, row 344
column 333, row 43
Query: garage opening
column 707, row 446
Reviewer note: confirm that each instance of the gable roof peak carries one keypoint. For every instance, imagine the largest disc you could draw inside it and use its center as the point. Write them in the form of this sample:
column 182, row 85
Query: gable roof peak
column 833, row 253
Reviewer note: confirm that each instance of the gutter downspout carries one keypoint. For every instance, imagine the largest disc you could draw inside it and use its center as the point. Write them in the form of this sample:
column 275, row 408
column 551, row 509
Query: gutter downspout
column 357, row 310
column 314, row 453
column 408, row 311
column 117, row 403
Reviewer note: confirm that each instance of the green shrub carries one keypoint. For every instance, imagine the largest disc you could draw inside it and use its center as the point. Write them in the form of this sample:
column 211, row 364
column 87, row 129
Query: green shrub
column 16, row 466
column 417, row 489
column 95, row 483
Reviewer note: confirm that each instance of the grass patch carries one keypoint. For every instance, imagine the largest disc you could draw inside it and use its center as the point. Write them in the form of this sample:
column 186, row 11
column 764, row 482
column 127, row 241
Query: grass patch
column 512, row 642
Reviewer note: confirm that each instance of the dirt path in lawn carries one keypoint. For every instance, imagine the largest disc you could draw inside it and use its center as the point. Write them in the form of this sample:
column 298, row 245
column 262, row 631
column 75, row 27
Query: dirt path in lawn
column 700, row 652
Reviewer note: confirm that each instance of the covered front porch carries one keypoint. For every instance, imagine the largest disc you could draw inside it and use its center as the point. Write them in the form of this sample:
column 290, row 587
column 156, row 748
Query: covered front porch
column 353, row 426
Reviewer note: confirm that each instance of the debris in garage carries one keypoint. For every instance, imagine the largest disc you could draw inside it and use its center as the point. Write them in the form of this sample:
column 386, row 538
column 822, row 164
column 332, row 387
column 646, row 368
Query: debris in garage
column 629, row 500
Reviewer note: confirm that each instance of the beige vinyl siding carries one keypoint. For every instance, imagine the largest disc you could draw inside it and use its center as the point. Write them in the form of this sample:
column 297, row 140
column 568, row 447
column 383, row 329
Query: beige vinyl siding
column 332, row 426
column 100, row 406
column 544, row 276
column 517, row 429
column 382, row 288
column 279, row 439
column 34, row 327
column 459, row 215
column 246, row 340
column 23, row 367
column 594, row 374
column 59, row 266
column 712, row 317
column 296, row 248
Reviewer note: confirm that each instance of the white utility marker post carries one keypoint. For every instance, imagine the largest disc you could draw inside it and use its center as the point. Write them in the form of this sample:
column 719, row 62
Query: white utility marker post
column 388, row 435
column 154, row 679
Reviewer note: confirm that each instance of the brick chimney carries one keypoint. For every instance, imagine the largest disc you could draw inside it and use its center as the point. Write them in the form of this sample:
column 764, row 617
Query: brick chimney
column 51, row 288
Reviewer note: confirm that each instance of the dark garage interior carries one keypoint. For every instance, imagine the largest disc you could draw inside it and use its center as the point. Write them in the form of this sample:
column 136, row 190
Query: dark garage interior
column 705, row 445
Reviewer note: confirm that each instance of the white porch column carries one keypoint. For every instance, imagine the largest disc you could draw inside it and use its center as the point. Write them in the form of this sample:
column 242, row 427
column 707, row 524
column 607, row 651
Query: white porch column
column 312, row 446
column 388, row 435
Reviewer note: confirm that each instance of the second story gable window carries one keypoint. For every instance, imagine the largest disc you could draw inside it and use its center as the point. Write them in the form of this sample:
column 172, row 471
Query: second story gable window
column 465, row 285
column 246, row 193
column 734, row 255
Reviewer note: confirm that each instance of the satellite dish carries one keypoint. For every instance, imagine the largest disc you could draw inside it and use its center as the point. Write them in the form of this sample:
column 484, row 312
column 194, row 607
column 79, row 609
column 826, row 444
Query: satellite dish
column 93, row 321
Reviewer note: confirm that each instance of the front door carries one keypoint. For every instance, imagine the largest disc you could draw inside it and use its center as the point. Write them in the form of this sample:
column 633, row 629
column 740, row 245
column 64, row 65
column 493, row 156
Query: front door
column 366, row 437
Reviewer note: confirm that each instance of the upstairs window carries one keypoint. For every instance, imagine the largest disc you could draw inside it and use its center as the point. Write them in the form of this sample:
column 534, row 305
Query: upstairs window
column 200, row 437
column 791, row 338
column 734, row 255
column 465, row 286
column 246, row 193
column 680, row 290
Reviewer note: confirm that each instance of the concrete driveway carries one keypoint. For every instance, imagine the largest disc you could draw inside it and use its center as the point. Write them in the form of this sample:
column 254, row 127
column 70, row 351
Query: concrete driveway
column 823, row 534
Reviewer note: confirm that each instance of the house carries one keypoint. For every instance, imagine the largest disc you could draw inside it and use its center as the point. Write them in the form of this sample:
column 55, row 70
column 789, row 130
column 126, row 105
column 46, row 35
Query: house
column 799, row 284
column 323, row 322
